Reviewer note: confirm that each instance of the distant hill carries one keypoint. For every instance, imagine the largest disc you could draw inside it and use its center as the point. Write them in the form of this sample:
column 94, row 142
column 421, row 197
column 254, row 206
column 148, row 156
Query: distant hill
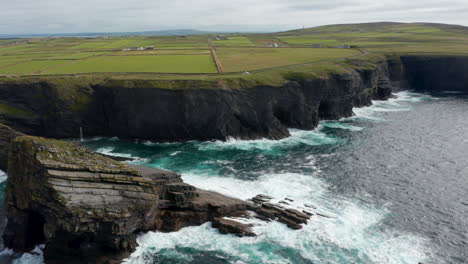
column 378, row 27
column 176, row 32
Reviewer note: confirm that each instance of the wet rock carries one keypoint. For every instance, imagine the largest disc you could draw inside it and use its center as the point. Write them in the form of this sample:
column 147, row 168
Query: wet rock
column 260, row 199
column 322, row 215
column 227, row 226
column 291, row 217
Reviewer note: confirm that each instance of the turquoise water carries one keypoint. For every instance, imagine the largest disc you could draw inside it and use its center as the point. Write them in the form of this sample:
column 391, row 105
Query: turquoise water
column 364, row 224
column 355, row 233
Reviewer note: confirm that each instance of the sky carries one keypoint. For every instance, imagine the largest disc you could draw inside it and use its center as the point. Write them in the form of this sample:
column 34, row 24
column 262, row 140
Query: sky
column 74, row 16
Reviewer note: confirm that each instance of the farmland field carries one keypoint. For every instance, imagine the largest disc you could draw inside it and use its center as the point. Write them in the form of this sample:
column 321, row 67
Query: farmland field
column 247, row 59
column 237, row 53
column 233, row 41
column 163, row 63
column 31, row 66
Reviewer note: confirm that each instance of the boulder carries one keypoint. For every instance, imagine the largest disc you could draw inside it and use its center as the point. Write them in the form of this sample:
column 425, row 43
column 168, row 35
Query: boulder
column 227, row 226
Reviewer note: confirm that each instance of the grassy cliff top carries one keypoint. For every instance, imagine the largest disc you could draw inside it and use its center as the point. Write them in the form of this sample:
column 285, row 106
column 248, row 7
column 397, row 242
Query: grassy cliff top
column 223, row 59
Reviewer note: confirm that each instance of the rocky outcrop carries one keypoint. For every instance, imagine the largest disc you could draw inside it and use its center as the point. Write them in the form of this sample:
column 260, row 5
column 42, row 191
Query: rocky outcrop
column 88, row 208
column 227, row 226
column 7, row 135
column 78, row 203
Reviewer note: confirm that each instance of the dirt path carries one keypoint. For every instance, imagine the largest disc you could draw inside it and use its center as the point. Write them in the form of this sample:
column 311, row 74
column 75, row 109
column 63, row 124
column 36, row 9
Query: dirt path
column 217, row 61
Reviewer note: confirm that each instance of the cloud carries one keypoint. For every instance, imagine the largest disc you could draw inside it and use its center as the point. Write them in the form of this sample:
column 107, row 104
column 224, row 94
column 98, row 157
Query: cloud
column 32, row 16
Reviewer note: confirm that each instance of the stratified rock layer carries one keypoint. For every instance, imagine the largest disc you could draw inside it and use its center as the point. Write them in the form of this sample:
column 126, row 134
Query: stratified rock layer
column 77, row 202
column 88, row 208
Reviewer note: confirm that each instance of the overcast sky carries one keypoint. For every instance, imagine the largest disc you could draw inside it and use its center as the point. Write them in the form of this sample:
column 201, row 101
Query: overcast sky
column 72, row 16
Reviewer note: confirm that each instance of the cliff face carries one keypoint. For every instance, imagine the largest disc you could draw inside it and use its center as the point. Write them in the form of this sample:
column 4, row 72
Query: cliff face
column 88, row 208
column 131, row 109
column 107, row 109
column 74, row 200
column 7, row 135
column 436, row 73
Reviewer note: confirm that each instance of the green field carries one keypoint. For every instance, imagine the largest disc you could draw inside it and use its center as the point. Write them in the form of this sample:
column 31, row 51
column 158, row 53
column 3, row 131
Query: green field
column 31, row 66
column 163, row 63
column 233, row 41
column 248, row 59
column 238, row 53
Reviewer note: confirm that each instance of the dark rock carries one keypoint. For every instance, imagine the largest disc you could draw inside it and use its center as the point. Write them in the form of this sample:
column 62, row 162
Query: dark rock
column 322, row 215
column 7, row 135
column 88, row 208
column 82, row 205
column 227, row 226
column 289, row 222
column 307, row 213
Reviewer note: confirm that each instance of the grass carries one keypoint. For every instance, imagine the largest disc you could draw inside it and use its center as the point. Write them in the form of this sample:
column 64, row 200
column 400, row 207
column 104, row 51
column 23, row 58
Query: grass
column 13, row 110
column 233, row 41
column 78, row 55
column 31, row 66
column 166, row 63
column 184, row 55
column 248, row 59
column 6, row 62
column 309, row 41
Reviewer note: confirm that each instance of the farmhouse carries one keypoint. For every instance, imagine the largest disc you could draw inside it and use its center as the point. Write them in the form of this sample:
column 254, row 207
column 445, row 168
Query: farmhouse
column 273, row 45
column 316, row 46
column 139, row 48
column 221, row 37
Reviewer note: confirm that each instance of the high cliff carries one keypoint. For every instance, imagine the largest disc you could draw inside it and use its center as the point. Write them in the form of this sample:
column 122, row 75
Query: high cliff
column 180, row 110
column 188, row 110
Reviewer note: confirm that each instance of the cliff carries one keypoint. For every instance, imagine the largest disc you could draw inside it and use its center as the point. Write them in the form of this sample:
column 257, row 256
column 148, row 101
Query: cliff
column 179, row 110
column 436, row 73
column 88, row 208
column 144, row 110
column 7, row 135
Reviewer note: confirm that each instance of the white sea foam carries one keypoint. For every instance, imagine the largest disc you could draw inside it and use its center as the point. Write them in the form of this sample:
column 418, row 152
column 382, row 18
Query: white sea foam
column 351, row 235
column 340, row 125
column 110, row 151
column 34, row 257
column 352, row 228
column 400, row 103
column 3, row 176
column 306, row 137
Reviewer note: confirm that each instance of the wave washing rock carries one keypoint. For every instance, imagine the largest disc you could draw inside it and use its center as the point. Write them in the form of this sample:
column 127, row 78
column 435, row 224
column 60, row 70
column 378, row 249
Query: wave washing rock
column 88, row 208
